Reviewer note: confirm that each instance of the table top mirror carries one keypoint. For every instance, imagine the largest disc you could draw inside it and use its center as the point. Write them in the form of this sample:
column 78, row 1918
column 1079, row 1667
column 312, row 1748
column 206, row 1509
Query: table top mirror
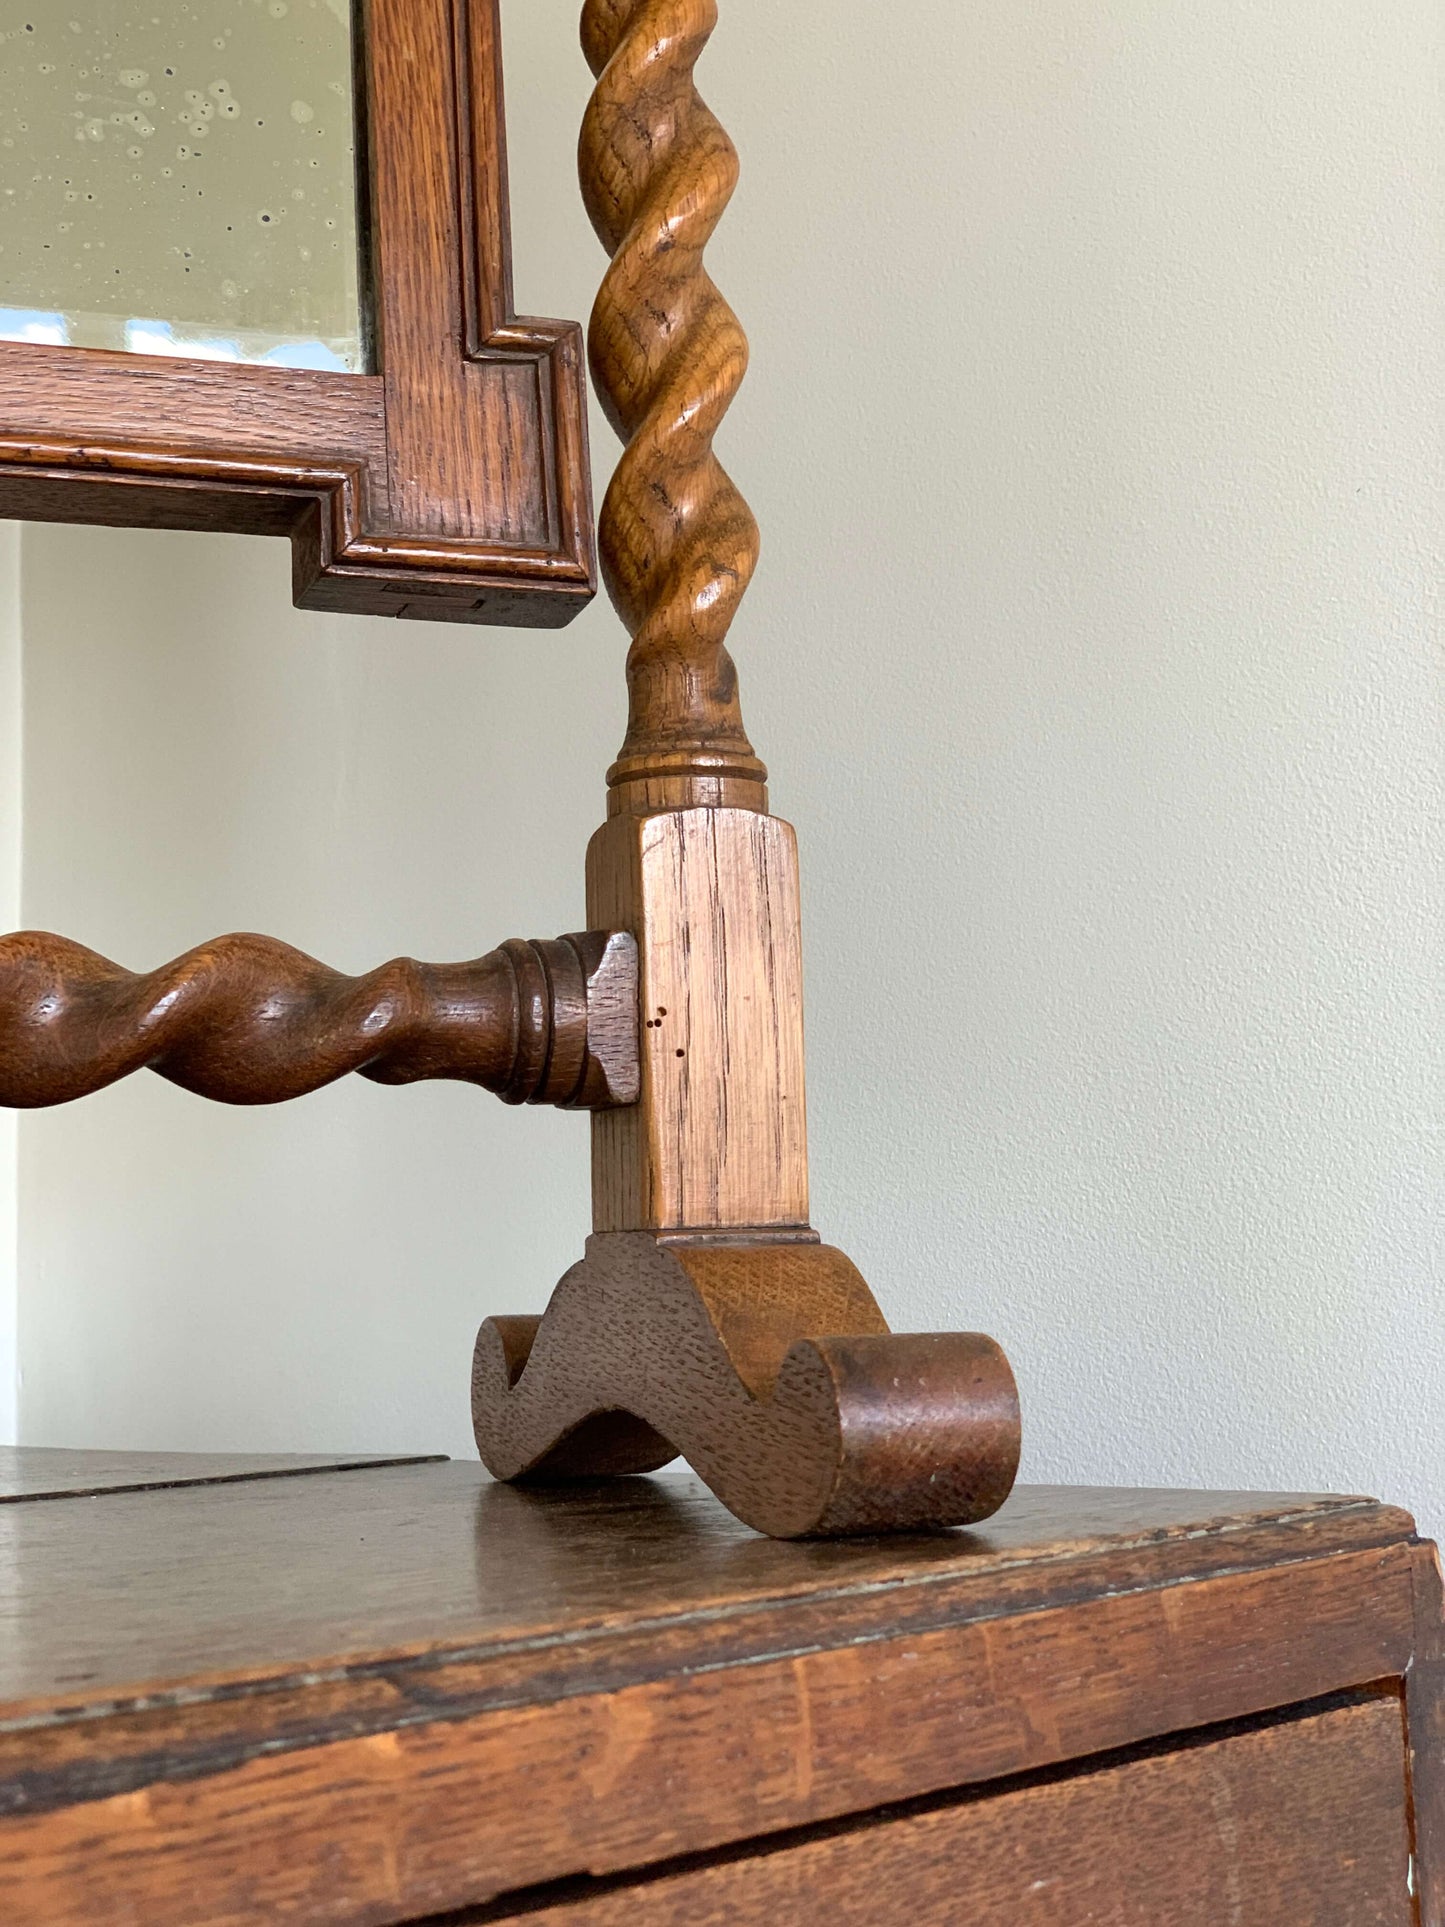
column 258, row 1689
column 707, row 1318
column 255, row 276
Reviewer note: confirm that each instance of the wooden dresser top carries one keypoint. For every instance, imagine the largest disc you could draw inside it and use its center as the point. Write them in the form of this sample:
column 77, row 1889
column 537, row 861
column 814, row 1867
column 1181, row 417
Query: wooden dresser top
column 436, row 1689
column 271, row 1570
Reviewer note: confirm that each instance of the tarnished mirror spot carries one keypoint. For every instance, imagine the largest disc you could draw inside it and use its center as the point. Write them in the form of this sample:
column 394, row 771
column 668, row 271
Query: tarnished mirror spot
column 180, row 179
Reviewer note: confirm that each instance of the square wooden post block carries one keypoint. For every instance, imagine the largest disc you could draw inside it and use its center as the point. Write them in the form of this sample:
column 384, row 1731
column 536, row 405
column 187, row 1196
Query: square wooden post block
column 719, row 1140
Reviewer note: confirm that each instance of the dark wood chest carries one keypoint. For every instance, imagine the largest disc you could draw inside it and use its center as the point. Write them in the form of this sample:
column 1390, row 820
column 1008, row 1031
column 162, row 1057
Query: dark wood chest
column 277, row 1691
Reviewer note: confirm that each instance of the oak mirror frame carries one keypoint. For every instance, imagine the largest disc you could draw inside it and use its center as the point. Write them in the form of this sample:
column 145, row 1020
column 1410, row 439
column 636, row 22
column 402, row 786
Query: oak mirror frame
column 449, row 483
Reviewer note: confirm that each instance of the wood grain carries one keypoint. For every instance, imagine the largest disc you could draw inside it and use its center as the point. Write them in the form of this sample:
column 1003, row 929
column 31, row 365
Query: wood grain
column 1425, row 1705
column 81, row 395
column 455, row 428
column 437, row 1690
column 845, row 1428
column 719, row 1138
column 35, row 1472
column 546, row 1591
column 1301, row 1823
column 426, row 1811
column 248, row 1020
column 770, row 1368
column 451, row 485
column 678, row 543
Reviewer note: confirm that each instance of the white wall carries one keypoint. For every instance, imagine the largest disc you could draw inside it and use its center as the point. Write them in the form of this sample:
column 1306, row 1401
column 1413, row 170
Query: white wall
column 1092, row 432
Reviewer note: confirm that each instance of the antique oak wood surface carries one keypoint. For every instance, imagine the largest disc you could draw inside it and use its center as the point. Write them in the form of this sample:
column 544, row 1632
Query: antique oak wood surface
column 1426, row 1705
column 374, row 1695
column 678, row 543
column 1303, row 1822
column 719, row 1140
column 770, row 1368
column 453, row 482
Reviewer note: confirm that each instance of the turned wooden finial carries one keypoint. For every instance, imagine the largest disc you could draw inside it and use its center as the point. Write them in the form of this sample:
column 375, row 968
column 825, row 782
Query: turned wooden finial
column 678, row 543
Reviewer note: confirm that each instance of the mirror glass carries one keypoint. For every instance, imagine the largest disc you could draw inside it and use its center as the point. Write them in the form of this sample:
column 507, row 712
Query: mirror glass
column 178, row 177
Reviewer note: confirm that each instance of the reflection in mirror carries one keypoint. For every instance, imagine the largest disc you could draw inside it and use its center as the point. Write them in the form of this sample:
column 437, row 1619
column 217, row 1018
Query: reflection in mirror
column 178, row 177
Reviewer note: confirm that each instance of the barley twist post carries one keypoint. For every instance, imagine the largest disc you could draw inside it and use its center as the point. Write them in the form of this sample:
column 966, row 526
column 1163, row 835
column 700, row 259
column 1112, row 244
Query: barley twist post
column 678, row 543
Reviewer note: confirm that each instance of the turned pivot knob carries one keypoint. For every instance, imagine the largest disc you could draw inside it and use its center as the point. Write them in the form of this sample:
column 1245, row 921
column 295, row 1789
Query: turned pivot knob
column 248, row 1020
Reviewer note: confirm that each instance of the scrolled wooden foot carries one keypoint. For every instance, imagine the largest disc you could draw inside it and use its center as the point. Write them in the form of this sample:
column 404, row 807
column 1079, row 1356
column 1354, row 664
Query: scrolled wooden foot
column 769, row 1367
column 248, row 1020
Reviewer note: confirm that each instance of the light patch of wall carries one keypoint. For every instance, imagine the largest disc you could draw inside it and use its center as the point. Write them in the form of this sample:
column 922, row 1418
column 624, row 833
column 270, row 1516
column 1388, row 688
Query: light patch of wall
column 208, row 760
column 1091, row 430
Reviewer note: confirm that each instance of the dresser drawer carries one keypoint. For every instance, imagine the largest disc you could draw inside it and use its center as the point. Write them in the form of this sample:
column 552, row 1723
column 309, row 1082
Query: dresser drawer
column 1298, row 1824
